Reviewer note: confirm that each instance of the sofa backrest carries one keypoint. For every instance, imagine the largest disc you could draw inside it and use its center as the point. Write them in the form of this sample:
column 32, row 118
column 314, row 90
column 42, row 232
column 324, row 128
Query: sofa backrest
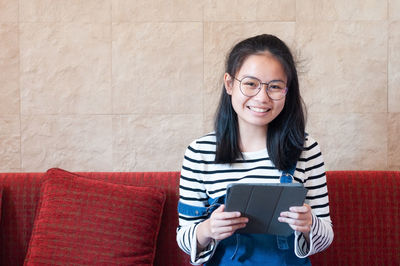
column 364, row 207
column 365, row 211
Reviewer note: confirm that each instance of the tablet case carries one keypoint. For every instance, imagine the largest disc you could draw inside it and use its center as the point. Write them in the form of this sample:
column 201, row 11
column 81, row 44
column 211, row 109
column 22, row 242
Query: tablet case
column 263, row 203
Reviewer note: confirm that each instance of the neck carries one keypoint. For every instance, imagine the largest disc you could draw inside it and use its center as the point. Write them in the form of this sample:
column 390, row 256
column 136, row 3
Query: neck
column 253, row 139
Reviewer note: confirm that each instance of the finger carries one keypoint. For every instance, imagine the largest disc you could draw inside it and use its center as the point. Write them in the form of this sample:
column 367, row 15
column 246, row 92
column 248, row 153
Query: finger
column 291, row 221
column 294, row 215
column 229, row 222
column 219, row 213
column 221, row 208
column 217, row 232
column 297, row 225
column 303, row 225
column 302, row 209
column 231, row 228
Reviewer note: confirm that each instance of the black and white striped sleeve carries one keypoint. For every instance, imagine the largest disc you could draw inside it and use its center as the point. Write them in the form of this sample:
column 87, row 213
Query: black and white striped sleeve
column 192, row 196
column 321, row 234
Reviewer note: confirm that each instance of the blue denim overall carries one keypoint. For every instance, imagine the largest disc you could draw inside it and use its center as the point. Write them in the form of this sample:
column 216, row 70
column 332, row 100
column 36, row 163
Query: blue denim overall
column 253, row 249
column 256, row 249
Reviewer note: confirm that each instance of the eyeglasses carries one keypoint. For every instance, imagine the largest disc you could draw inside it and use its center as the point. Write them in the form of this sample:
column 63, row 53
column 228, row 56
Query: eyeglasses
column 250, row 86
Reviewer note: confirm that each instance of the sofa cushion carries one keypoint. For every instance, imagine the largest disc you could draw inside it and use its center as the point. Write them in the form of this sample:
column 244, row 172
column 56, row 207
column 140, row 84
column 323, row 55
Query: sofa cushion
column 1, row 197
column 90, row 222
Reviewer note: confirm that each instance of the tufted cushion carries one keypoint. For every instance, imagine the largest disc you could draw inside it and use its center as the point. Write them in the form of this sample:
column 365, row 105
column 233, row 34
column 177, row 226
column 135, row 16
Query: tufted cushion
column 81, row 221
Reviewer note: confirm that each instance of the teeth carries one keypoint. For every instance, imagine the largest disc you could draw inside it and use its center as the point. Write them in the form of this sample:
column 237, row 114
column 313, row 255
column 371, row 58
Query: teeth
column 260, row 110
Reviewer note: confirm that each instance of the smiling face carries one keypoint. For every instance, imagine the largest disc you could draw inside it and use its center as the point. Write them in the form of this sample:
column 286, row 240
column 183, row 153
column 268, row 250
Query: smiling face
column 256, row 112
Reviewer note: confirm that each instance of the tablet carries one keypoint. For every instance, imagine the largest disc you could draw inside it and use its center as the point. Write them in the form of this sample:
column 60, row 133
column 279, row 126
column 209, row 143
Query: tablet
column 263, row 203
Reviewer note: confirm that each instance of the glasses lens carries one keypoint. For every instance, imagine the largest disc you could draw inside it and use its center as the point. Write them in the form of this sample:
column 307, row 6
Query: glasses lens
column 250, row 86
column 276, row 90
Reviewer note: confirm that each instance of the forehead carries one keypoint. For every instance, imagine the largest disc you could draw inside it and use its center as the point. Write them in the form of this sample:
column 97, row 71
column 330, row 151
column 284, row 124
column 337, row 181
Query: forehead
column 264, row 66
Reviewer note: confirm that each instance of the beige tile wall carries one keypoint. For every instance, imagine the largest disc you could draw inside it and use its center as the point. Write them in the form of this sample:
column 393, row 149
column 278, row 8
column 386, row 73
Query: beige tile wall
column 121, row 85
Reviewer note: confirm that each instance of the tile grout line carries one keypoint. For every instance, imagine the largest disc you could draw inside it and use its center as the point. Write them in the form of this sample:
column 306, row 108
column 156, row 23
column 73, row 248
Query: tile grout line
column 387, row 82
column 111, row 84
column 387, row 56
column 203, row 83
column 19, row 85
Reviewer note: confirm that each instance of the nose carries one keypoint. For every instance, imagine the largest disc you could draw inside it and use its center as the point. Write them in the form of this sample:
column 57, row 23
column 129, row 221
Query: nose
column 262, row 95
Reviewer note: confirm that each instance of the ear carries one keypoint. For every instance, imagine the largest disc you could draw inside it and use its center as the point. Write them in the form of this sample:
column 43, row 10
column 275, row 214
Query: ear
column 228, row 81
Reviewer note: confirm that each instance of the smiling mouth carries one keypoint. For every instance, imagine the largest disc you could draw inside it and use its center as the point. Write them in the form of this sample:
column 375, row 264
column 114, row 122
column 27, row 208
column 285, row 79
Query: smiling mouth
column 258, row 110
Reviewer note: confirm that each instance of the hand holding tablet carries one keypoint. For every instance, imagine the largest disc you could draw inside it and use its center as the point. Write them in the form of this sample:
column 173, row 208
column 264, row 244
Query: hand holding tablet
column 263, row 203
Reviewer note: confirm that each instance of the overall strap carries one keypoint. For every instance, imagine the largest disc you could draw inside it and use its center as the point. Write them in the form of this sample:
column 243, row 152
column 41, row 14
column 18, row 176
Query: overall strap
column 198, row 211
column 286, row 177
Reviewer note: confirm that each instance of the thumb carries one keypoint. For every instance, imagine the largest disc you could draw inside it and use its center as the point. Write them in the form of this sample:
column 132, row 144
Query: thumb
column 220, row 208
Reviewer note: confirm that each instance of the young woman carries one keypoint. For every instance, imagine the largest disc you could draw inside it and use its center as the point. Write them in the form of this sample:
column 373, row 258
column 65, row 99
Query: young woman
column 259, row 134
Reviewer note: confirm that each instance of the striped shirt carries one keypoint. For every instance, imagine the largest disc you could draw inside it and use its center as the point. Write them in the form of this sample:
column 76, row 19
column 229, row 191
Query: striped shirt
column 202, row 179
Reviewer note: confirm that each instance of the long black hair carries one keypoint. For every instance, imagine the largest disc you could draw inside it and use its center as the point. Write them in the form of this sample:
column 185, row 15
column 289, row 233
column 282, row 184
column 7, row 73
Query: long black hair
column 285, row 135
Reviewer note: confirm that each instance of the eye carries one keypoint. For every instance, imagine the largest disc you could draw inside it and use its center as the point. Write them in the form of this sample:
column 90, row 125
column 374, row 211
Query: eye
column 250, row 83
column 276, row 86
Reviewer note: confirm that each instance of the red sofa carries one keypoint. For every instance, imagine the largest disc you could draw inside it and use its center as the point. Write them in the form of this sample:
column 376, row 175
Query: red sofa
column 365, row 209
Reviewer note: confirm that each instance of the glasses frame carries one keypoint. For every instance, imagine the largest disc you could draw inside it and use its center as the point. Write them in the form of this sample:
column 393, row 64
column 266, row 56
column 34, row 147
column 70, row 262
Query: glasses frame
column 259, row 87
